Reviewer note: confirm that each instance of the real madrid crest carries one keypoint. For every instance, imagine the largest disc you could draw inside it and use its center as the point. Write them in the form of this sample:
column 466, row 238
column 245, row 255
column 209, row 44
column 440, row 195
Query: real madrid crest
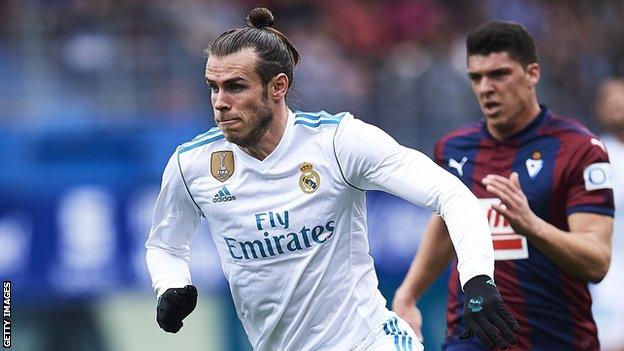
column 309, row 180
column 222, row 165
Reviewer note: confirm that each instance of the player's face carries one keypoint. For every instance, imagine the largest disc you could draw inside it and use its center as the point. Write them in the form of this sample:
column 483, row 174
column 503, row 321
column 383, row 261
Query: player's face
column 504, row 88
column 241, row 107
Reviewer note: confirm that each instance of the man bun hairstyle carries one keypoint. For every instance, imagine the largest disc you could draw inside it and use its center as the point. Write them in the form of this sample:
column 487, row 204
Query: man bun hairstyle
column 260, row 17
column 275, row 52
column 503, row 36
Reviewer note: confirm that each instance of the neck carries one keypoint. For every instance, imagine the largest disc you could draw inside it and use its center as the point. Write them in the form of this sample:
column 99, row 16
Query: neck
column 520, row 122
column 271, row 136
column 619, row 135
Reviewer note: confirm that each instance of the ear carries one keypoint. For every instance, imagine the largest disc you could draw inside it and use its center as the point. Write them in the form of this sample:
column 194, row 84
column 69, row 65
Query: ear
column 534, row 73
column 278, row 87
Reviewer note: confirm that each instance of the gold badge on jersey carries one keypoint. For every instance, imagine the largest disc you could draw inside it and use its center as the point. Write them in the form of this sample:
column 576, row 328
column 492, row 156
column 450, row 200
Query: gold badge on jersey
column 222, row 165
column 309, row 180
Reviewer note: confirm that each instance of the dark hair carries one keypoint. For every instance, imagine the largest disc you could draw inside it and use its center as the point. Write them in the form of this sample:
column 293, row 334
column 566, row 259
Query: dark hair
column 500, row 36
column 275, row 52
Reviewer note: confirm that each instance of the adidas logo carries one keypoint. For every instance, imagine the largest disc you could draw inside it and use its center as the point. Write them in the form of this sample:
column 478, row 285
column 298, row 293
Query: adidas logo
column 223, row 195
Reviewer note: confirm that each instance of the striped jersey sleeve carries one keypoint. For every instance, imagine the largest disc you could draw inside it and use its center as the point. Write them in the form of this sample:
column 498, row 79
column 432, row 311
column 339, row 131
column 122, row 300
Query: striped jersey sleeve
column 590, row 182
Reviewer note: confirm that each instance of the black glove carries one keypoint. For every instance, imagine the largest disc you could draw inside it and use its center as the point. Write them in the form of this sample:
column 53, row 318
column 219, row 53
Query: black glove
column 174, row 305
column 486, row 315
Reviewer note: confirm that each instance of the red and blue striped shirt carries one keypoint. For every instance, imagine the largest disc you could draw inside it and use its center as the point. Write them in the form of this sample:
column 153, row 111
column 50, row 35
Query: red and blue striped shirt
column 563, row 169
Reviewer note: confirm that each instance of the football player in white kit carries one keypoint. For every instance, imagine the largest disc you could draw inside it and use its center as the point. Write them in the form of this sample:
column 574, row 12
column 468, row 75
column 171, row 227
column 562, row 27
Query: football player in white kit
column 283, row 193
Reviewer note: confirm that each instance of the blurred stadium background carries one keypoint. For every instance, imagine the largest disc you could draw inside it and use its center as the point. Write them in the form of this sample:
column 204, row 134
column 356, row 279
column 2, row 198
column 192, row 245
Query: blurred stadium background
column 95, row 95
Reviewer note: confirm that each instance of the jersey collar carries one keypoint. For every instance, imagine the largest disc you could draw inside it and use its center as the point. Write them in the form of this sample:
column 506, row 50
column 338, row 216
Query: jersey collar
column 275, row 155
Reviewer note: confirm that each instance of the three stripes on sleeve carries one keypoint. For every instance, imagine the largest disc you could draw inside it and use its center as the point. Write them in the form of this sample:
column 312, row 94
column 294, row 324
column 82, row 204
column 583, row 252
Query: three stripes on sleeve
column 402, row 340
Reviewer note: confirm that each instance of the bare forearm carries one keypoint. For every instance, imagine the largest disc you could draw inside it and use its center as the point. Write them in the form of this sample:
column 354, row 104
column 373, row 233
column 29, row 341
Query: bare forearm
column 584, row 251
column 580, row 253
column 434, row 255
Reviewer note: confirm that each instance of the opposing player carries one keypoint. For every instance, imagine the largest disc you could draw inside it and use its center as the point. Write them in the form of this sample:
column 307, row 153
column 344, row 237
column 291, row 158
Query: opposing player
column 545, row 182
column 284, row 195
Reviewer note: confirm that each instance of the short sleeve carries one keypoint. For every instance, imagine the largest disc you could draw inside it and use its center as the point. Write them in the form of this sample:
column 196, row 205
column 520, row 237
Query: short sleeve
column 590, row 180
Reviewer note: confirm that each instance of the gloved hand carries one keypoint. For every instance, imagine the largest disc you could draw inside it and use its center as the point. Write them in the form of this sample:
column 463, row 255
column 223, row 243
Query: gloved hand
column 174, row 305
column 486, row 315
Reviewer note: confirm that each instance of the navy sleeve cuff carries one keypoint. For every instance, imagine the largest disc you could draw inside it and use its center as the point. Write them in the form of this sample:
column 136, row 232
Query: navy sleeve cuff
column 591, row 209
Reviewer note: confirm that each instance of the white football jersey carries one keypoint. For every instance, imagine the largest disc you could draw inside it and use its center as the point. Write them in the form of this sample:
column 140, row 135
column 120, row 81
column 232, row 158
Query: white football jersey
column 291, row 229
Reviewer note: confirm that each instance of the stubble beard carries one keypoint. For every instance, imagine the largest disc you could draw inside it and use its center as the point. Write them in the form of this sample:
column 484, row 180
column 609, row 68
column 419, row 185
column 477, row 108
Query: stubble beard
column 263, row 115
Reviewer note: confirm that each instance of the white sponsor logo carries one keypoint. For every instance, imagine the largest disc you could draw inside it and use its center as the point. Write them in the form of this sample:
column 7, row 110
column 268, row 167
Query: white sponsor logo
column 507, row 244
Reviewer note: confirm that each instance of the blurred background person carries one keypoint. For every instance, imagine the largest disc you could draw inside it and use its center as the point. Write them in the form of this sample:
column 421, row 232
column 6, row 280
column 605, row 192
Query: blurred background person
column 608, row 303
